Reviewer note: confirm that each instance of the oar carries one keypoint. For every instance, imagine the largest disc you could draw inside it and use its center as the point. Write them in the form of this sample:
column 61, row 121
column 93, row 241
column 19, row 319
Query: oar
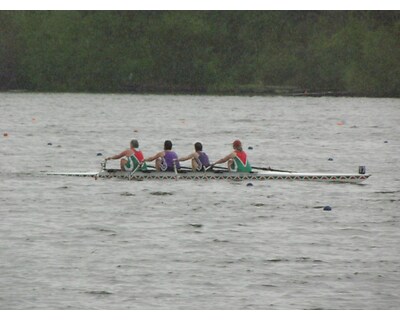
column 185, row 168
column 102, row 168
column 151, row 167
column 270, row 169
column 216, row 167
column 136, row 169
column 258, row 168
column 204, row 168
column 189, row 169
column 182, row 169
column 103, row 164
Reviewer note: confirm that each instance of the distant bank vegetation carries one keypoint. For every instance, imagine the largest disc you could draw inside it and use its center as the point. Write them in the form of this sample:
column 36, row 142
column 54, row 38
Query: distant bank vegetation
column 212, row 52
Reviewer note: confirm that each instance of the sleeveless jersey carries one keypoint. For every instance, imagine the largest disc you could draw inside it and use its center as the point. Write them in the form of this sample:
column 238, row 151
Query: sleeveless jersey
column 240, row 162
column 167, row 162
column 134, row 160
column 202, row 161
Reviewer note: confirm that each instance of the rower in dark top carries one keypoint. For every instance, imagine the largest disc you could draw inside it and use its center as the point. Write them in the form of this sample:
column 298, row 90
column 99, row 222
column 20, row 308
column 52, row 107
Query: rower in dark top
column 199, row 158
column 166, row 160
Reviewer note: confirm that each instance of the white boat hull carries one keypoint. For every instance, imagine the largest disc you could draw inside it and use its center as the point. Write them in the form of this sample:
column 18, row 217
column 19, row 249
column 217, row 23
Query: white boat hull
column 234, row 176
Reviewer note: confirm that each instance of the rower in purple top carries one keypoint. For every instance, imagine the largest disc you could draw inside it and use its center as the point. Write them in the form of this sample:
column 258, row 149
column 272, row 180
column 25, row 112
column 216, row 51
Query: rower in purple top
column 166, row 160
column 200, row 160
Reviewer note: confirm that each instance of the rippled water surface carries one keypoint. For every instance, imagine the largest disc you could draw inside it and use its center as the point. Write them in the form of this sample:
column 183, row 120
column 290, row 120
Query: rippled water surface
column 80, row 243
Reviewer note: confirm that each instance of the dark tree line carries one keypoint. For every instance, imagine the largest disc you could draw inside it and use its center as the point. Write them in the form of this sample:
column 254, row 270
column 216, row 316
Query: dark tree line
column 357, row 52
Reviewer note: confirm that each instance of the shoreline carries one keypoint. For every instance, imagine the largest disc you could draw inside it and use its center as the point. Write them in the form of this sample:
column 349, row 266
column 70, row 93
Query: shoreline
column 245, row 90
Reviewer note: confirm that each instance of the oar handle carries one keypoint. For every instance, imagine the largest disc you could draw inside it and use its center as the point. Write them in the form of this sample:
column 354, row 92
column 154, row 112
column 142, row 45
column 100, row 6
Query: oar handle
column 188, row 168
column 211, row 167
column 103, row 164
column 270, row 169
column 140, row 165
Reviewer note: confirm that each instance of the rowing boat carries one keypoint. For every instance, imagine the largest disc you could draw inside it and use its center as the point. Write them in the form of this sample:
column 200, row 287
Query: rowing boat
column 259, row 175
column 235, row 176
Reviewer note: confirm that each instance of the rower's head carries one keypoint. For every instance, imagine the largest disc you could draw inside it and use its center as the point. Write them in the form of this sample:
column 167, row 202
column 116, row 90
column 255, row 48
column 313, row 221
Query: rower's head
column 167, row 145
column 198, row 146
column 237, row 145
column 134, row 143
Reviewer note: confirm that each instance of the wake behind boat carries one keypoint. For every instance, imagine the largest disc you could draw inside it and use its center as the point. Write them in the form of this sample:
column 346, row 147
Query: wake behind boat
column 219, row 174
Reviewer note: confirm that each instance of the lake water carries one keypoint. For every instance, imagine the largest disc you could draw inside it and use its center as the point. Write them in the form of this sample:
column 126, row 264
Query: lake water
column 80, row 243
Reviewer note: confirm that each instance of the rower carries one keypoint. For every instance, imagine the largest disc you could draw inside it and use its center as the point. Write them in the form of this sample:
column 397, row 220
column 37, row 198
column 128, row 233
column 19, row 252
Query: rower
column 237, row 160
column 134, row 158
column 166, row 160
column 199, row 158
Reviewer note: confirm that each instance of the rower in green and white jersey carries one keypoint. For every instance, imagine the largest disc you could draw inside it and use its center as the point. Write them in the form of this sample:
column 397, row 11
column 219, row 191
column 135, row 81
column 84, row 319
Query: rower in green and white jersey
column 237, row 160
column 133, row 158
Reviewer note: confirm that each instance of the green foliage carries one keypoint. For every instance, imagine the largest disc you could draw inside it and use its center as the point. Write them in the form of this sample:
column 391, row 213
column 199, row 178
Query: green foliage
column 200, row 51
column 8, row 51
column 378, row 68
